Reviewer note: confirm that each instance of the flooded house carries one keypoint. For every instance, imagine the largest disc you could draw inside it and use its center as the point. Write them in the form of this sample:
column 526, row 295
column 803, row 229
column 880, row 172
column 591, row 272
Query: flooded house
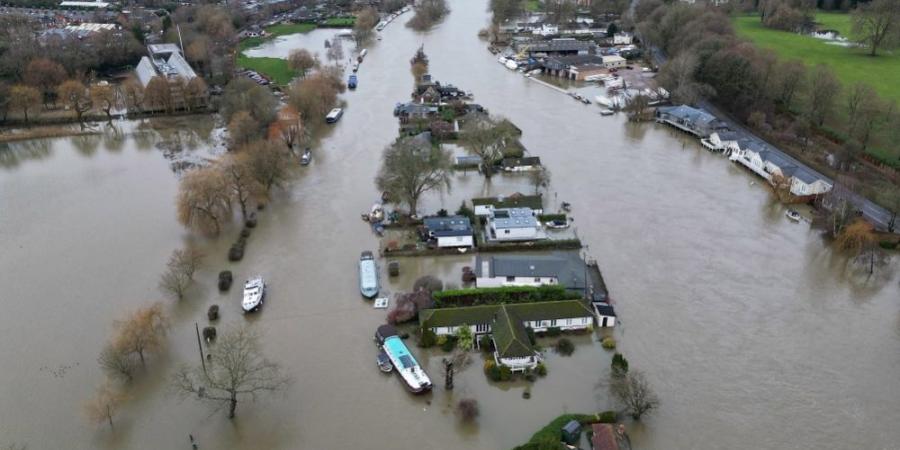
column 574, row 67
column 557, row 47
column 508, row 324
column 514, row 224
column 804, row 183
column 722, row 141
column 695, row 121
column 452, row 231
column 484, row 205
column 525, row 164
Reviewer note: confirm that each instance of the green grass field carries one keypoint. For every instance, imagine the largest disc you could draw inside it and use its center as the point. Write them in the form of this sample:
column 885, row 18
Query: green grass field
column 835, row 21
column 850, row 64
column 276, row 68
column 533, row 5
column 340, row 21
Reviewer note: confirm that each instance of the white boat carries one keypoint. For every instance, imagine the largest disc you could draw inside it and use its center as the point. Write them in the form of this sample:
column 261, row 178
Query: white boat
column 406, row 366
column 502, row 60
column 254, row 294
column 334, row 115
column 363, row 53
column 606, row 112
column 557, row 224
column 377, row 213
column 368, row 275
column 792, row 215
column 511, row 65
column 306, row 157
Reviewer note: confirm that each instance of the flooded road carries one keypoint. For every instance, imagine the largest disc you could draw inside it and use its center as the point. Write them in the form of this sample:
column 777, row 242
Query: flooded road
column 748, row 326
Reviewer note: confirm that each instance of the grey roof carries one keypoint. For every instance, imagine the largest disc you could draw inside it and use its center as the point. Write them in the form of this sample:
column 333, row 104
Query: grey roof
column 519, row 162
column 163, row 48
column 604, row 309
column 567, row 267
column 512, row 201
column 560, row 45
column 687, row 113
column 514, row 218
column 563, row 62
column 448, row 226
column 728, row 135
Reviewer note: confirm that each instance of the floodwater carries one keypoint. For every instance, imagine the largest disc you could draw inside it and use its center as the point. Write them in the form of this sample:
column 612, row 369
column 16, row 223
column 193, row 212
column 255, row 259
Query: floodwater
column 751, row 330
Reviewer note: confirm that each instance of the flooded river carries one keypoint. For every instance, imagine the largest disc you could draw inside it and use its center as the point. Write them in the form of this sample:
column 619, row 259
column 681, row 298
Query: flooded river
column 751, row 329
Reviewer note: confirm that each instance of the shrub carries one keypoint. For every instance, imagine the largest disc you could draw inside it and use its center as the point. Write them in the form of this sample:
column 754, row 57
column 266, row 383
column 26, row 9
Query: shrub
column 501, row 295
column 225, row 280
column 449, row 344
column 427, row 338
column 213, row 313
column 608, row 417
column 565, row 347
column 541, row 369
column 465, row 338
column 619, row 365
column 553, row 331
column 441, row 340
column 467, row 409
column 505, row 373
column 608, row 343
column 485, row 343
column 888, row 245
column 428, row 283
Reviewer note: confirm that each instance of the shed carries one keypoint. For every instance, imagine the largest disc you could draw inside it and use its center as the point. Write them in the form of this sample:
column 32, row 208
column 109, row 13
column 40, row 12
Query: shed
column 606, row 315
column 453, row 231
column 571, row 432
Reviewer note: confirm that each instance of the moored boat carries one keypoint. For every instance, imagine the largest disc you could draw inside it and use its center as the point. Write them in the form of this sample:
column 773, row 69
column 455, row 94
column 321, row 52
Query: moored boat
column 334, row 115
column 254, row 294
column 384, row 363
column 368, row 275
column 306, row 157
column 412, row 374
column 557, row 224
column 792, row 215
column 352, row 81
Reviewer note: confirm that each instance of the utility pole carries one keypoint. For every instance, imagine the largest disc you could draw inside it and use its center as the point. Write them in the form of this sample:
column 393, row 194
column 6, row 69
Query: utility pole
column 200, row 346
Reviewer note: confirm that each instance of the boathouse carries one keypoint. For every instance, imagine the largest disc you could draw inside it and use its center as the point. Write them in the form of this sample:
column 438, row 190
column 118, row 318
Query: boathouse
column 574, row 67
column 514, row 224
column 484, row 205
column 453, row 231
column 692, row 120
column 557, row 47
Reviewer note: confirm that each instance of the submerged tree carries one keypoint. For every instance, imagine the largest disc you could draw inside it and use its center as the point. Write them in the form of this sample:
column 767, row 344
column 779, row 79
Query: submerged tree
column 302, row 61
column 366, row 19
column 104, row 405
column 634, row 392
column 179, row 274
column 117, row 361
column 75, row 95
column 203, row 201
column 489, row 139
column 241, row 182
column 143, row 332
column 105, row 98
column 236, row 371
column 859, row 240
column 412, row 166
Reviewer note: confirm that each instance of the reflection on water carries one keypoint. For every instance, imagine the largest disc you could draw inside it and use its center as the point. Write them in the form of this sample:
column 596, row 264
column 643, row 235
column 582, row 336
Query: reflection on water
column 751, row 329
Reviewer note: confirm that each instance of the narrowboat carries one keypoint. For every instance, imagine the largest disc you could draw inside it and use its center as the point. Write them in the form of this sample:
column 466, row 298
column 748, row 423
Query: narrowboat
column 351, row 82
column 368, row 275
column 414, row 377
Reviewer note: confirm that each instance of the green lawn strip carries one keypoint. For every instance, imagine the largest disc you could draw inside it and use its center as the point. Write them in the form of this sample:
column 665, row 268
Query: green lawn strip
column 275, row 68
column 533, row 5
column 835, row 21
column 340, row 21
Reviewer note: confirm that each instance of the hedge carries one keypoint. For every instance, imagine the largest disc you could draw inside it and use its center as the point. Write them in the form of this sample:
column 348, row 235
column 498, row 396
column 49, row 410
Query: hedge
column 550, row 437
column 551, row 217
column 535, row 245
column 501, row 295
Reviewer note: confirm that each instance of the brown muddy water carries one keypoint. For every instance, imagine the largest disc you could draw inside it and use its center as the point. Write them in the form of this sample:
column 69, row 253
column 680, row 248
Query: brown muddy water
column 752, row 331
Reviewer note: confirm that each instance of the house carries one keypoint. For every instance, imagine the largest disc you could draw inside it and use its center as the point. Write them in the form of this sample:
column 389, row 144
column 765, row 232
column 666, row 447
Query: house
column 608, row 436
column 514, row 224
column 573, row 67
column 692, row 120
column 606, row 314
column 803, row 183
column 623, row 38
column 484, row 206
column 453, row 231
column 525, row 164
column 557, row 47
column 414, row 111
column 722, row 141
column 614, row 61
column 563, row 268
column 546, row 29
column 164, row 60
column 807, row 185
column 508, row 324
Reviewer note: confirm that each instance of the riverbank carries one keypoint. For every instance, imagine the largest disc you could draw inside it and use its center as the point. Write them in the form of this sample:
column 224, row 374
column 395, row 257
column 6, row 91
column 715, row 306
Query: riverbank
column 275, row 68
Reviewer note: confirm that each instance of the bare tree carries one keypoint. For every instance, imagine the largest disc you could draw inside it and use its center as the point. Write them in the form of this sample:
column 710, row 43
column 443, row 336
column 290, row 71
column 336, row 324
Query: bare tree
column 314, row 96
column 540, row 179
column 24, row 98
column 236, row 370
column 637, row 107
column 301, row 61
column 362, row 27
column 134, row 93
column 824, row 89
column 877, row 24
column 144, row 331
column 195, row 93
column 45, row 75
column 678, row 76
column 117, row 361
column 288, row 127
column 203, row 201
column 104, row 405
column 858, row 97
column 889, row 197
column 75, row 95
column 239, row 171
column 242, row 129
column 179, row 274
column 410, row 167
column 634, row 392
column 467, row 410
column 489, row 139
column 859, row 240
column 104, row 97
column 789, row 79
column 158, row 95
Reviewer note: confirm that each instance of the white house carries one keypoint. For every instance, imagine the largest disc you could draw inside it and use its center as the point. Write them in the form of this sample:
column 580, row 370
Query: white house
column 722, row 141
column 514, row 224
column 606, row 315
column 453, row 231
column 508, row 323
column 805, row 184
column 614, row 61
column 623, row 38
column 546, row 29
column 522, row 270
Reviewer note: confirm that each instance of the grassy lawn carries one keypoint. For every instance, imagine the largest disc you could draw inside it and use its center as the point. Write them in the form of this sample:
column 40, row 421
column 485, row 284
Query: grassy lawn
column 533, row 5
column 276, row 68
column 835, row 21
column 340, row 21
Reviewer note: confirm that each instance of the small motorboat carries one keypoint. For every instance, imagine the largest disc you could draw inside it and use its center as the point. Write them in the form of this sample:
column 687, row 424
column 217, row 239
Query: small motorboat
column 384, row 362
column 557, row 224
column 606, row 112
column 377, row 213
column 306, row 157
column 566, row 206
column 254, row 294
column 794, row 216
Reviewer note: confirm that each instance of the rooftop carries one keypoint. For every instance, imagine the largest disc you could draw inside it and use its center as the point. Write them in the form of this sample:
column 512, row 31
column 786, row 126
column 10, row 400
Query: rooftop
column 510, row 336
column 483, row 314
column 448, row 226
column 516, row 200
column 567, row 267
column 513, row 218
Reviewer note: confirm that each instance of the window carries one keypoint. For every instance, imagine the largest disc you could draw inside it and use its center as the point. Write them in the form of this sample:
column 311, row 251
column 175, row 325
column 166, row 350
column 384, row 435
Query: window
column 553, row 323
column 505, row 231
column 482, row 328
column 537, row 279
column 510, row 279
